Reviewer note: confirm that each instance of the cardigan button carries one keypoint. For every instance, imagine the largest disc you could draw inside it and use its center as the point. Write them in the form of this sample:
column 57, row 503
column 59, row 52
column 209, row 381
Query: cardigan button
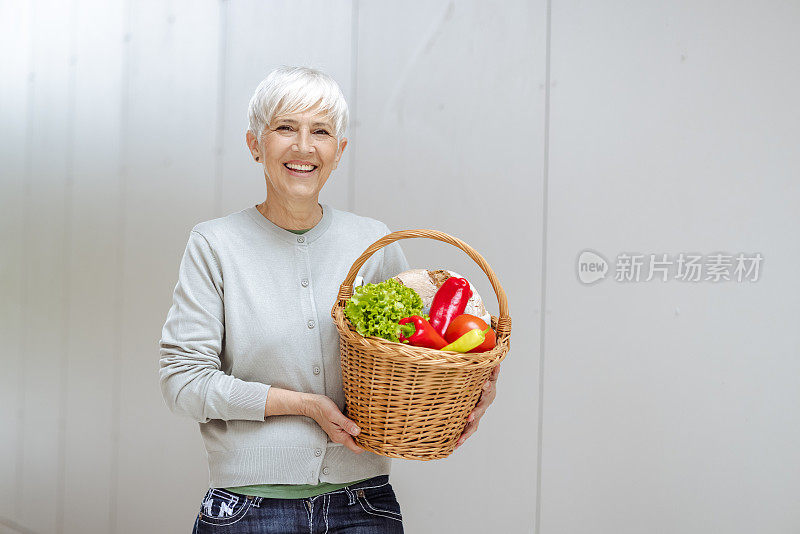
column 304, row 282
column 317, row 452
column 301, row 239
column 325, row 470
column 311, row 323
column 316, row 369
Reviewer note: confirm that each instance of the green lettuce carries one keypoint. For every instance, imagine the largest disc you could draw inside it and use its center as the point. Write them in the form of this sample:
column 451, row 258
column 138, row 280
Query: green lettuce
column 375, row 309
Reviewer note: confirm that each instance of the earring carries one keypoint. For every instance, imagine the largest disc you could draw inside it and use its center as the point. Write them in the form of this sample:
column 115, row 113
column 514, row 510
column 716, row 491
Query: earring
column 256, row 158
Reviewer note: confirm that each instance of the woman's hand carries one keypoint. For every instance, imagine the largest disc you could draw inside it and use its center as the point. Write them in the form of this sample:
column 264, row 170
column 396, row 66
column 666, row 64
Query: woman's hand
column 487, row 397
column 338, row 427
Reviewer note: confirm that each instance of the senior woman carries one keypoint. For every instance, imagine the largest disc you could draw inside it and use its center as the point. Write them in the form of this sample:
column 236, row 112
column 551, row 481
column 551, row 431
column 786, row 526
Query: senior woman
column 249, row 349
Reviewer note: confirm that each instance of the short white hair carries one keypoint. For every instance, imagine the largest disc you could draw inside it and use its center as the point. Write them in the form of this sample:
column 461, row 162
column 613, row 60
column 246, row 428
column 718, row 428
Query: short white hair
column 290, row 89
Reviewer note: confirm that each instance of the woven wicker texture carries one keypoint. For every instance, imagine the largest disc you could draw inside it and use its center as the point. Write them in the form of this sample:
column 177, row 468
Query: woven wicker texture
column 413, row 402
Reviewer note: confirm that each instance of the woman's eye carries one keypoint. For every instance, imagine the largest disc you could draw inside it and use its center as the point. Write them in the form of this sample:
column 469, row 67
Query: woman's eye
column 323, row 132
column 284, row 127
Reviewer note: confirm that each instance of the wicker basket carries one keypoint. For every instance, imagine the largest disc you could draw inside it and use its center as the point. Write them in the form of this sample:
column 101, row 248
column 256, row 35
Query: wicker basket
column 413, row 402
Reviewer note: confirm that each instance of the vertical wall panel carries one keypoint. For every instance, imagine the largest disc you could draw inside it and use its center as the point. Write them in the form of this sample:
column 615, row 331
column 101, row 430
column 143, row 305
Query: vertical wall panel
column 669, row 406
column 91, row 263
column 45, row 241
column 168, row 186
column 260, row 37
column 450, row 136
column 14, row 120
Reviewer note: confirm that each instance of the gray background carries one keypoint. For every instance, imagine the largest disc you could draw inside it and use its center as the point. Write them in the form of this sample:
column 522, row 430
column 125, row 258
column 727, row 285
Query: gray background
column 532, row 130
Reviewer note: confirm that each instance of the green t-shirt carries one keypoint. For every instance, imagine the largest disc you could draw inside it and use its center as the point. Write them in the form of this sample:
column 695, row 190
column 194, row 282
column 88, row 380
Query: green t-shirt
column 289, row 491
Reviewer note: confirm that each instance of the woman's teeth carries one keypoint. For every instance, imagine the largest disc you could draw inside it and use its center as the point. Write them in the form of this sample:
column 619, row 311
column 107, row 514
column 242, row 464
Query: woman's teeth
column 299, row 168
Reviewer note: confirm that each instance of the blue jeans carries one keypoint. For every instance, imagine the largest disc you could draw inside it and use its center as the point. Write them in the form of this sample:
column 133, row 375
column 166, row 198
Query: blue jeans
column 368, row 507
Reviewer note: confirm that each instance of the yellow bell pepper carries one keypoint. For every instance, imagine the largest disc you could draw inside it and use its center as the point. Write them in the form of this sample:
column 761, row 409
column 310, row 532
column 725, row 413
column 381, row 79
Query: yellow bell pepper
column 468, row 341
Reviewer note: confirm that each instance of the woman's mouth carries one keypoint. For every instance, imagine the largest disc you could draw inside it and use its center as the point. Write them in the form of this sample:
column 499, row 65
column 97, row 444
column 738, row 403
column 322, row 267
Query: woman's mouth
column 297, row 169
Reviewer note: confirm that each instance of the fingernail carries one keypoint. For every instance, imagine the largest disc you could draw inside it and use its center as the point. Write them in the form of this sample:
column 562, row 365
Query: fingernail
column 471, row 417
column 486, row 385
column 355, row 430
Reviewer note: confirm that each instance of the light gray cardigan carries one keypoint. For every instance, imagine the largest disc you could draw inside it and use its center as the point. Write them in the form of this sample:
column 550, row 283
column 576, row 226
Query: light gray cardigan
column 251, row 310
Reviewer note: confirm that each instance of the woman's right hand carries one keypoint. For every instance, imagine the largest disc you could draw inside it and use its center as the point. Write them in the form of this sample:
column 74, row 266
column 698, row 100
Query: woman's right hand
column 338, row 427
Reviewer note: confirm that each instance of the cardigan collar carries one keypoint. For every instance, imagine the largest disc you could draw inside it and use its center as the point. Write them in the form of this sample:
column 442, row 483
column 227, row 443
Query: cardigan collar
column 290, row 237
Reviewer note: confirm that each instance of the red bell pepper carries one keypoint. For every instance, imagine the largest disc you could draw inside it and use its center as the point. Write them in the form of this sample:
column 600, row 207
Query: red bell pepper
column 419, row 332
column 449, row 302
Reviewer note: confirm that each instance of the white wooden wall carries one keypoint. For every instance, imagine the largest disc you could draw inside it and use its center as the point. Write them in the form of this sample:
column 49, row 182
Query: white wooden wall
column 532, row 130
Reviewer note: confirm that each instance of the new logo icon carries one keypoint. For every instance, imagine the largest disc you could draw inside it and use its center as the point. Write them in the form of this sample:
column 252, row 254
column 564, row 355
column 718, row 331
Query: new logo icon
column 591, row 267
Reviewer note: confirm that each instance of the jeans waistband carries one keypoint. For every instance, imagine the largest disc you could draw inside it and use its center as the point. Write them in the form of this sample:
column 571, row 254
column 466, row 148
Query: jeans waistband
column 380, row 480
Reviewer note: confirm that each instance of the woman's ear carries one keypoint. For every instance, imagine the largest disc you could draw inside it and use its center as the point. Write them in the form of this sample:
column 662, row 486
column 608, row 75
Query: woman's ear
column 342, row 144
column 252, row 144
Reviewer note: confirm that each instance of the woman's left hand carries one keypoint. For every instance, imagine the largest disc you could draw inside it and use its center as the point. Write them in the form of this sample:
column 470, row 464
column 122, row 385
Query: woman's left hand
column 487, row 397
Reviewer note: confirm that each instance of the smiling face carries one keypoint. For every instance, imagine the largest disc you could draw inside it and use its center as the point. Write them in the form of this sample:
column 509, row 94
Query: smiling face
column 298, row 152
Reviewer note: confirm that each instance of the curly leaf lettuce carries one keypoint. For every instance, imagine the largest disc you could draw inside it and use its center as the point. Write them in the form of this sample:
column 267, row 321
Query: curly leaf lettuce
column 375, row 309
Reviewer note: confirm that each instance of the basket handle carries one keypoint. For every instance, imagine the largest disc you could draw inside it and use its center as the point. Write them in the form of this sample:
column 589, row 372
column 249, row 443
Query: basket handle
column 346, row 289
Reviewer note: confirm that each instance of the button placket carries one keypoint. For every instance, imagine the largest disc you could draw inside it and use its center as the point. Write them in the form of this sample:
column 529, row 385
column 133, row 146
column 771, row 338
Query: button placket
column 309, row 306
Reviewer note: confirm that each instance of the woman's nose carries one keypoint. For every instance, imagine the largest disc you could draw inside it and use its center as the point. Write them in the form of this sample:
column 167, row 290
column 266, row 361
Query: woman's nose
column 303, row 141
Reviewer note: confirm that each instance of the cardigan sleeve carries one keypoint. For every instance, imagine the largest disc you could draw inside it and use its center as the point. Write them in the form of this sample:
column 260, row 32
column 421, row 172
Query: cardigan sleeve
column 394, row 260
column 192, row 383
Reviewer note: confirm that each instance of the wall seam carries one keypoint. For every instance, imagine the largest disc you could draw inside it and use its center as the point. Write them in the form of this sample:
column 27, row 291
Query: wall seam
column 220, row 127
column 543, row 307
column 26, row 262
column 66, row 247
column 351, row 183
column 120, row 264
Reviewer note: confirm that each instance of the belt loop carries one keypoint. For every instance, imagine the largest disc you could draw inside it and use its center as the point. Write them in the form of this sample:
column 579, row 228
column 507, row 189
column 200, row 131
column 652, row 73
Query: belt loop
column 351, row 499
